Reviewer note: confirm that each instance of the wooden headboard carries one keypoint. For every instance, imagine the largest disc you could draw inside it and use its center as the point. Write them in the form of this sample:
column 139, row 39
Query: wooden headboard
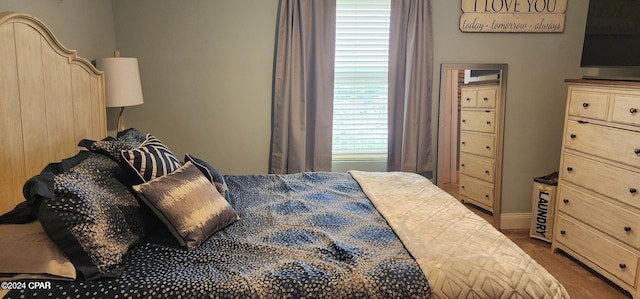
column 49, row 100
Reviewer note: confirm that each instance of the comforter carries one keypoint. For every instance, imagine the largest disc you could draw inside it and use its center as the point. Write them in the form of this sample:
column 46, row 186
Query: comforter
column 308, row 235
column 317, row 235
column 461, row 254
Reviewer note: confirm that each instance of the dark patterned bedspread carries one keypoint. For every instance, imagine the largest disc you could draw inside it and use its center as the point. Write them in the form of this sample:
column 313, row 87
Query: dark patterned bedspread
column 311, row 235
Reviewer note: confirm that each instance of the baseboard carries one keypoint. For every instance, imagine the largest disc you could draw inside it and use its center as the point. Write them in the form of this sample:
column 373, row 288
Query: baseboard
column 515, row 221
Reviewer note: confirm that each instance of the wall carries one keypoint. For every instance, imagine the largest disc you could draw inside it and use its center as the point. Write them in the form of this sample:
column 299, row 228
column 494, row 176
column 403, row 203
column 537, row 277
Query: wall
column 85, row 26
column 206, row 75
column 536, row 93
column 206, row 72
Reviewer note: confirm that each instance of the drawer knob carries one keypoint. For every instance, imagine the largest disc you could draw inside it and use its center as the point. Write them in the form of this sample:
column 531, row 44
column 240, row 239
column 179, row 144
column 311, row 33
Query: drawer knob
column 569, row 169
column 462, row 165
column 462, row 187
column 622, row 266
column 633, row 190
column 585, row 105
column 633, row 110
column 464, row 120
column 463, row 143
column 637, row 151
column 486, row 195
column 566, row 201
column 563, row 232
column 488, row 147
column 486, row 171
column 573, row 136
column 486, row 99
column 627, row 228
column 488, row 123
column 468, row 99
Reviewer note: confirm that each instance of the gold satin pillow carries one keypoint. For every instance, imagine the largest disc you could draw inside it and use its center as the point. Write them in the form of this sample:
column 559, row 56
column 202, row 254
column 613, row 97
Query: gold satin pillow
column 188, row 204
column 28, row 253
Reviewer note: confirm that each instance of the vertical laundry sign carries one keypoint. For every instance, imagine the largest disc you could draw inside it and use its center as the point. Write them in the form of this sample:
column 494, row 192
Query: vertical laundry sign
column 513, row 15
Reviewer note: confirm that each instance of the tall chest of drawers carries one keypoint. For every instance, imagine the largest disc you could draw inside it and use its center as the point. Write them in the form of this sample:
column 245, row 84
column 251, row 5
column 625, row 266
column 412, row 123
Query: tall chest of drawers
column 479, row 127
column 598, row 201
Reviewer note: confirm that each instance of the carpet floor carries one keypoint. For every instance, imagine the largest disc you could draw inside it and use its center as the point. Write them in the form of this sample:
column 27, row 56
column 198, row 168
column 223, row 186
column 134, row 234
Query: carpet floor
column 580, row 281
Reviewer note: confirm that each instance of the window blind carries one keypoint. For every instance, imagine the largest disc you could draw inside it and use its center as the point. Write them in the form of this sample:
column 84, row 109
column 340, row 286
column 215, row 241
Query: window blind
column 360, row 88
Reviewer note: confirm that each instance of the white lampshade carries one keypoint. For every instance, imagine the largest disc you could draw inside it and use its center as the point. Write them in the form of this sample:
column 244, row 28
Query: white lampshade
column 121, row 80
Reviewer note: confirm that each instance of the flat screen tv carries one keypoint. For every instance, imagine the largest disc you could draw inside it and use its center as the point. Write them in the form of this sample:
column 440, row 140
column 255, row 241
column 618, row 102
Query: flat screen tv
column 612, row 34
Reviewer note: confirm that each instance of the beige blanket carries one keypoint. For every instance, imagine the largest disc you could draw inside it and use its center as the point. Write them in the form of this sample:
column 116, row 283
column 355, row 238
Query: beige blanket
column 462, row 255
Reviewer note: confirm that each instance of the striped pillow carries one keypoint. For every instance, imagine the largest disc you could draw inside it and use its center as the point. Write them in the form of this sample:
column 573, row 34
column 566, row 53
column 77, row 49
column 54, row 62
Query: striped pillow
column 151, row 160
column 188, row 204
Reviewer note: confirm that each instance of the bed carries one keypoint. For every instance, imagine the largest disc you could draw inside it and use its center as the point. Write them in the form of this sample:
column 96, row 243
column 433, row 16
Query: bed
column 124, row 217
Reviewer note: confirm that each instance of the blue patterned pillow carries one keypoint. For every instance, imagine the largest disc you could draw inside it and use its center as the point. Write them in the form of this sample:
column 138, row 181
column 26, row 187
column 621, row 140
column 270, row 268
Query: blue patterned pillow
column 131, row 137
column 211, row 173
column 111, row 147
column 90, row 215
column 151, row 160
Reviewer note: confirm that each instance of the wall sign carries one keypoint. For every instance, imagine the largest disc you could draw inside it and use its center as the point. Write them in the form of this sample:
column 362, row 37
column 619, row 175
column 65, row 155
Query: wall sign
column 513, row 15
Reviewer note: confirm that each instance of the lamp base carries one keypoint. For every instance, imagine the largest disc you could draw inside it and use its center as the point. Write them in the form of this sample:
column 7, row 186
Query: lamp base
column 120, row 125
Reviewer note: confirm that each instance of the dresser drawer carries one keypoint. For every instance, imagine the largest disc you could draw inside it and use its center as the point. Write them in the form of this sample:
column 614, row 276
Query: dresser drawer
column 589, row 104
column 611, row 219
column 478, row 120
column 487, row 97
column 476, row 167
column 478, row 97
column 616, row 260
column 626, row 109
column 468, row 98
column 478, row 191
column 605, row 179
column 477, row 144
column 605, row 142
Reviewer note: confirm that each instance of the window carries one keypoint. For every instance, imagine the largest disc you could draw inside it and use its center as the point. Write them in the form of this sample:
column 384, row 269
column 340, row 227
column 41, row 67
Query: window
column 360, row 90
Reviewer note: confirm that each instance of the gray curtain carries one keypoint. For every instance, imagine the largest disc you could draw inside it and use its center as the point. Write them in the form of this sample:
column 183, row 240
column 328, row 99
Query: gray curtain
column 410, row 80
column 302, row 117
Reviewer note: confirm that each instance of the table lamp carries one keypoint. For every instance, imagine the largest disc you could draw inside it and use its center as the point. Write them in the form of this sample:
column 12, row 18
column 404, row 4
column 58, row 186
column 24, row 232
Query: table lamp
column 122, row 83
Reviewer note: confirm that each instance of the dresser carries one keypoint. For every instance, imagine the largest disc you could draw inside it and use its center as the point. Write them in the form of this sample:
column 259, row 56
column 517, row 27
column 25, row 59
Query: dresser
column 598, row 202
column 480, row 123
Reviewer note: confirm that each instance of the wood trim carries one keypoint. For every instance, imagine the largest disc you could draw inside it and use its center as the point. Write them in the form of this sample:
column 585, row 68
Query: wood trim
column 515, row 221
column 448, row 130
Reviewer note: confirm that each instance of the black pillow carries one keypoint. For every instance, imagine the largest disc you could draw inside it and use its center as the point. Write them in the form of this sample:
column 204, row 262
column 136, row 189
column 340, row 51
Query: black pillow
column 210, row 173
column 87, row 212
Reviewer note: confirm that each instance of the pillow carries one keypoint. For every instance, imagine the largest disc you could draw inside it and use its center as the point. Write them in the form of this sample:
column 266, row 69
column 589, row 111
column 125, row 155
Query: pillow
column 151, row 160
column 90, row 215
column 187, row 203
column 111, row 147
column 131, row 137
column 27, row 253
column 210, row 173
